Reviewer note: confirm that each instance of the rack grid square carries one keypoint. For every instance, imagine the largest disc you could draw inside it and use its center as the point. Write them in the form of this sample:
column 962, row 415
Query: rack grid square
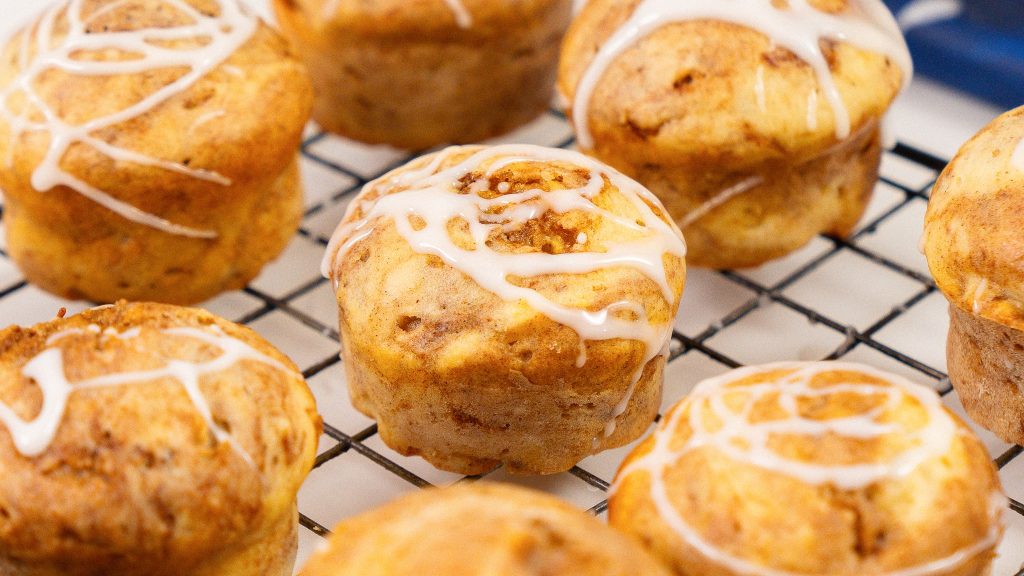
column 789, row 309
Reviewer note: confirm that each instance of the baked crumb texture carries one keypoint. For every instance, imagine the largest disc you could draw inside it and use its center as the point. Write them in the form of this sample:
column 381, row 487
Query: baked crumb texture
column 731, row 130
column 479, row 529
column 136, row 479
column 812, row 468
column 973, row 243
column 469, row 341
column 406, row 73
column 187, row 185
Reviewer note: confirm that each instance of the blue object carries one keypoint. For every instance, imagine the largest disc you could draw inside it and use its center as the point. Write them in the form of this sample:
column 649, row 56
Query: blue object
column 1002, row 14
column 980, row 51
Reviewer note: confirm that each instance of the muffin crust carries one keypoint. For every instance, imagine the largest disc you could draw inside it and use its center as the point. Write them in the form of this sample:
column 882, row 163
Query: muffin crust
column 478, row 530
column 973, row 244
column 237, row 130
column 470, row 370
column 812, row 468
column 405, row 73
column 135, row 480
column 697, row 107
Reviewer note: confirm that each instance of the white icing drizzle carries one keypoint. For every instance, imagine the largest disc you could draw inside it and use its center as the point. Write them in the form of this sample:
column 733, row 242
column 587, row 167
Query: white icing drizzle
column 1018, row 156
column 462, row 16
column 745, row 441
column 91, row 328
column 979, row 297
column 759, row 92
column 428, row 194
column 722, row 197
column 46, row 369
column 812, row 110
column 205, row 119
column 220, row 36
column 798, row 28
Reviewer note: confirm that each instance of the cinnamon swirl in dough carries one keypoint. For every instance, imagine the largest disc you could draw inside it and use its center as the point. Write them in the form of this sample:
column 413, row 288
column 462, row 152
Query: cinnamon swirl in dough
column 479, row 530
column 149, row 439
column 756, row 122
column 148, row 148
column 809, row 469
column 415, row 74
column 974, row 248
column 510, row 304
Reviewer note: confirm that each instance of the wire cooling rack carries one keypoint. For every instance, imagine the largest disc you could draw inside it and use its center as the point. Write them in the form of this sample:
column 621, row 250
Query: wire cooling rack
column 868, row 299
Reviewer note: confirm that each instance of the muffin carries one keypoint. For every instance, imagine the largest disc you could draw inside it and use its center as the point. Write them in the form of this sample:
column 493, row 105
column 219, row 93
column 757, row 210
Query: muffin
column 510, row 304
column 756, row 125
column 478, row 530
column 418, row 73
column 812, row 468
column 974, row 246
column 149, row 439
column 148, row 149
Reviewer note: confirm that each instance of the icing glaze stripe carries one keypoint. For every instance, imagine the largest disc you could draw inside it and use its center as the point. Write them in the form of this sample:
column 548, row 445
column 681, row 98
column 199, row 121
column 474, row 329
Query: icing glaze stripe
column 46, row 46
column 462, row 16
column 736, row 436
column 798, row 28
column 1018, row 156
column 722, row 197
column 428, row 193
column 47, row 369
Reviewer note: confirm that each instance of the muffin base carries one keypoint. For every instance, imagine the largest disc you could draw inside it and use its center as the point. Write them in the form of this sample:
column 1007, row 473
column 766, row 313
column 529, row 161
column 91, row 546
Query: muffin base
column 270, row 553
column 477, row 529
column 273, row 554
column 103, row 258
column 632, row 512
column 790, row 205
column 529, row 428
column 986, row 366
column 415, row 93
column 715, row 511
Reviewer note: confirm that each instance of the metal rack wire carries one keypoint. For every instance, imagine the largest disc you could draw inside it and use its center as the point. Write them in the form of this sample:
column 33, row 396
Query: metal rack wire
column 762, row 294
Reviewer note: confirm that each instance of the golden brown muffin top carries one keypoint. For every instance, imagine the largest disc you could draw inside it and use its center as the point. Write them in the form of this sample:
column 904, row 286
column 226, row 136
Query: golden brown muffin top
column 813, row 468
column 148, row 100
column 476, row 530
column 136, row 478
column 483, row 249
column 972, row 235
column 420, row 19
column 702, row 91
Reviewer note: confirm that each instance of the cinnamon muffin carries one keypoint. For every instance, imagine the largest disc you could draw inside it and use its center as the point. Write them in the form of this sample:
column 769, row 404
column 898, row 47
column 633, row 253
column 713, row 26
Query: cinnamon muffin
column 149, row 439
column 479, row 530
column 812, row 468
column 973, row 243
column 510, row 304
column 418, row 73
column 756, row 123
column 148, row 149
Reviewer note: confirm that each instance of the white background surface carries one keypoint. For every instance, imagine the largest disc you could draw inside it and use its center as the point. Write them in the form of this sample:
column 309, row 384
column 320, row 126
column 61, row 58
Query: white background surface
column 846, row 287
